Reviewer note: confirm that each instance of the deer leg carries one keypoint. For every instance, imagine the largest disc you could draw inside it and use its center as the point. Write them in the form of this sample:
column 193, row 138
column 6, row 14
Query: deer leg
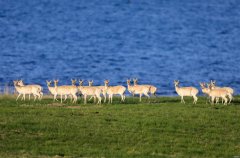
column 18, row 96
column 122, row 98
column 34, row 97
column 230, row 98
column 74, row 98
column 55, row 97
column 111, row 98
column 99, row 99
column 61, row 98
column 146, row 94
column 225, row 100
column 182, row 100
column 41, row 93
column 90, row 98
column 29, row 96
column 195, row 99
column 217, row 100
column 105, row 97
column 212, row 100
column 65, row 97
column 140, row 96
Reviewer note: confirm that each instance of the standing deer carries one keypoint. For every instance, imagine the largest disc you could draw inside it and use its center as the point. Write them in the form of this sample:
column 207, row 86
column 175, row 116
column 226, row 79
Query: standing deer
column 23, row 90
column 20, row 83
column 102, row 88
column 90, row 91
column 112, row 90
column 228, row 89
column 216, row 93
column 66, row 90
column 153, row 89
column 138, row 90
column 52, row 90
column 186, row 91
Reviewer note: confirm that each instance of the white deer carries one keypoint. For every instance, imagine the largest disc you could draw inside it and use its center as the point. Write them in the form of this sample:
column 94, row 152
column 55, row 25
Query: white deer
column 216, row 93
column 23, row 90
column 152, row 90
column 20, row 83
column 228, row 89
column 90, row 91
column 102, row 88
column 138, row 90
column 66, row 90
column 52, row 90
column 186, row 91
column 113, row 90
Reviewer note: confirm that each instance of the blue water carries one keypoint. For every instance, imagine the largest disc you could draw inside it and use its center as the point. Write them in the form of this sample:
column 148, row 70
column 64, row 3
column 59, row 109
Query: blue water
column 156, row 41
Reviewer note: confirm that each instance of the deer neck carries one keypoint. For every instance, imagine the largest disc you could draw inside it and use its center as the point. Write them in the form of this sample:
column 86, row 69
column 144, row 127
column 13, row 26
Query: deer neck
column 176, row 88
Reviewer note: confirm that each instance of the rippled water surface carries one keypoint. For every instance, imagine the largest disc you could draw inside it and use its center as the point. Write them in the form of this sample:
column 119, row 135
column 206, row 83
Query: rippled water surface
column 156, row 41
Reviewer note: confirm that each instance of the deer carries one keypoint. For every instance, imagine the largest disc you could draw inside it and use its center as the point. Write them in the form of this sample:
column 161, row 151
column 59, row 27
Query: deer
column 90, row 91
column 74, row 81
column 153, row 89
column 66, row 90
column 20, row 83
column 216, row 93
column 52, row 90
column 102, row 88
column 112, row 90
column 186, row 91
column 23, row 90
column 141, row 90
column 203, row 86
column 229, row 89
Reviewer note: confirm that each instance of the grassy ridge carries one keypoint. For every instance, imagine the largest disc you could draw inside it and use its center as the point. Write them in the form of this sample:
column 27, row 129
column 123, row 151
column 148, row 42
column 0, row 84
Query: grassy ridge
column 162, row 128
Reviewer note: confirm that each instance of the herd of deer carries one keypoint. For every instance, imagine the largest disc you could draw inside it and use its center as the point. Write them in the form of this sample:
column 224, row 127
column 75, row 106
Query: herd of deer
column 97, row 92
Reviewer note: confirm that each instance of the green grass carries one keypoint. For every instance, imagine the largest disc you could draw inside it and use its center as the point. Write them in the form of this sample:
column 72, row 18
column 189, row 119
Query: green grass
column 162, row 128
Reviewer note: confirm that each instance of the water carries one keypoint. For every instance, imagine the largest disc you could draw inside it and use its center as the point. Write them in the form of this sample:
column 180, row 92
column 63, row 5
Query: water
column 156, row 41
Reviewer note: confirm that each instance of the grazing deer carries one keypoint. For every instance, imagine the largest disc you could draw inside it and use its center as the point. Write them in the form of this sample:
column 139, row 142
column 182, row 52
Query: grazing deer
column 52, row 90
column 216, row 93
column 90, row 91
column 186, row 91
column 138, row 90
column 102, row 88
column 153, row 89
column 66, row 90
column 20, row 83
column 228, row 89
column 23, row 90
column 112, row 90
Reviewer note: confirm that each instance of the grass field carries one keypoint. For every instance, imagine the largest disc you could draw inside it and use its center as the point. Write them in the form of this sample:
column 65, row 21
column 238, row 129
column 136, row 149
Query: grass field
column 162, row 128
